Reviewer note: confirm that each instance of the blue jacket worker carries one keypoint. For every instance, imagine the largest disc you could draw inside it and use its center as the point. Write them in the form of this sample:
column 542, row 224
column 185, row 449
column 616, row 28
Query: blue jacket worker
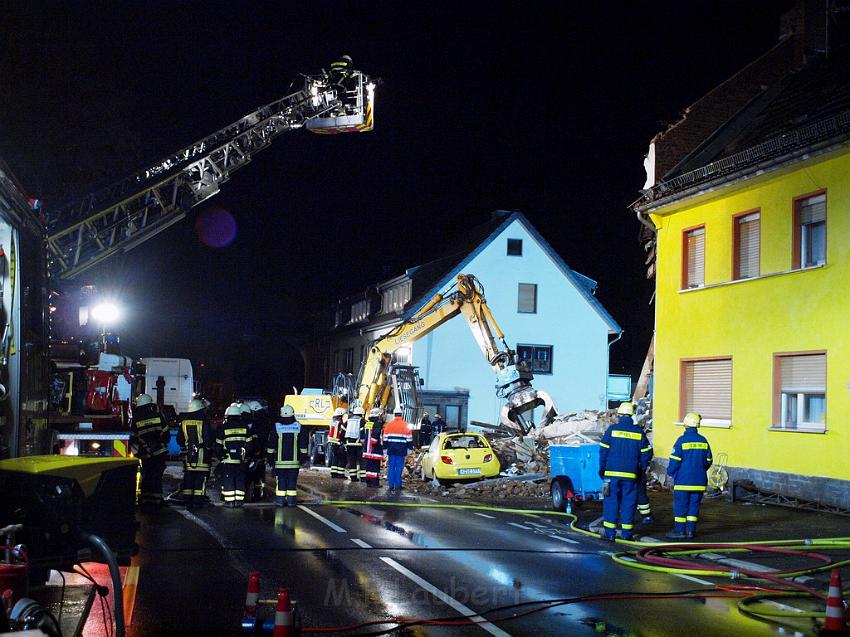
column 624, row 454
column 689, row 462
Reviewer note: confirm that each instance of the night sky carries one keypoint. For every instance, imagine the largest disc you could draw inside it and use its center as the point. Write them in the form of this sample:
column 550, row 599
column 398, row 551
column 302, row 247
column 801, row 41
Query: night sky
column 547, row 109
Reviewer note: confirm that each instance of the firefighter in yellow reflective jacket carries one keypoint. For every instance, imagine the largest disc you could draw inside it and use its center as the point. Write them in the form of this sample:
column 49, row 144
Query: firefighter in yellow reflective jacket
column 287, row 449
column 195, row 440
column 689, row 462
column 149, row 437
column 234, row 446
column 353, row 446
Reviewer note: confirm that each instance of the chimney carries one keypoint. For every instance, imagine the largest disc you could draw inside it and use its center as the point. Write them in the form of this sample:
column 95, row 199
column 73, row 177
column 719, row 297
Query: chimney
column 806, row 22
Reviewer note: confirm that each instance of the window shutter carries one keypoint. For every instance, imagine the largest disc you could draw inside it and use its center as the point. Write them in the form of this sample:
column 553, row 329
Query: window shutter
column 708, row 388
column 696, row 257
column 527, row 297
column 806, row 373
column 813, row 210
column 748, row 246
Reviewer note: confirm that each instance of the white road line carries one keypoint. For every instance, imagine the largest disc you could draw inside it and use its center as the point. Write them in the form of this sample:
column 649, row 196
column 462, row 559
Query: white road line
column 484, row 515
column 360, row 543
column 521, row 526
column 563, row 539
column 236, row 558
column 694, row 579
column 335, row 527
column 443, row 597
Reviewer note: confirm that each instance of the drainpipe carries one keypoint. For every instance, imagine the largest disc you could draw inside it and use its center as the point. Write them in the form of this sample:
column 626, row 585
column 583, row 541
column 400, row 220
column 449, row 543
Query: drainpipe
column 608, row 372
column 642, row 218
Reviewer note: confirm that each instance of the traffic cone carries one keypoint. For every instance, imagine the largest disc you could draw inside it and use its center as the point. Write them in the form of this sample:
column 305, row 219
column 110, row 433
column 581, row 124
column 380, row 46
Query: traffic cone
column 253, row 594
column 283, row 615
column 836, row 615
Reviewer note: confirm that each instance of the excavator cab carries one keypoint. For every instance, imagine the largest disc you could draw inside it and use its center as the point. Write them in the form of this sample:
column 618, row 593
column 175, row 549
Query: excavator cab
column 344, row 108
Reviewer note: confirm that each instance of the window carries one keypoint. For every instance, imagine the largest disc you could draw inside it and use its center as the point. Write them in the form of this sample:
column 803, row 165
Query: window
column 514, row 247
column 396, row 297
column 359, row 311
column 810, row 231
column 452, row 417
column 746, row 245
column 693, row 258
column 800, row 391
column 706, row 388
column 527, row 303
column 538, row 358
column 336, row 362
column 348, row 360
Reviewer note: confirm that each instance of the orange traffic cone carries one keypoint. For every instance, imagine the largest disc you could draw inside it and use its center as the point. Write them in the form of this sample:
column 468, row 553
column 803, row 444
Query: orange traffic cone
column 253, row 594
column 283, row 615
column 836, row 615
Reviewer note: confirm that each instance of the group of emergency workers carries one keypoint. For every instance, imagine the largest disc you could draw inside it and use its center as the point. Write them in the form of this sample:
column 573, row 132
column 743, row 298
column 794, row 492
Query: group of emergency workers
column 357, row 446
column 248, row 441
column 624, row 455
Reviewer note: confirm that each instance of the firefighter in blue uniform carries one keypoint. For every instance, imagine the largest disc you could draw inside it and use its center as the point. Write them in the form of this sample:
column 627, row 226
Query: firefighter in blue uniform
column 195, row 440
column 624, row 454
column 287, row 450
column 689, row 462
column 233, row 445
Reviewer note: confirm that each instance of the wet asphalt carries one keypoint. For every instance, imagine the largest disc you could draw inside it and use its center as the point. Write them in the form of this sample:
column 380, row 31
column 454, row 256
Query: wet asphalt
column 369, row 562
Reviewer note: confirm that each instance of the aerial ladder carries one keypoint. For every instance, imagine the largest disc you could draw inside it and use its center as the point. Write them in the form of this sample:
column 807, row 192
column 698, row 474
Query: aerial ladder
column 513, row 378
column 127, row 213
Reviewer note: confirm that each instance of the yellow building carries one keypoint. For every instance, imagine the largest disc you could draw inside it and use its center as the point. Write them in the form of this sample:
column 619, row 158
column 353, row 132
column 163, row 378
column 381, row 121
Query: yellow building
column 751, row 211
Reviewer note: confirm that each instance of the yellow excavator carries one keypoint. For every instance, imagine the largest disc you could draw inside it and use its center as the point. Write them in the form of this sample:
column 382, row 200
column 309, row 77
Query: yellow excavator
column 380, row 375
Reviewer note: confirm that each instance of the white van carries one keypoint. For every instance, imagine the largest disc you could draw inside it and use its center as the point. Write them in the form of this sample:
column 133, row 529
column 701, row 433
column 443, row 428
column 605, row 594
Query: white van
column 173, row 378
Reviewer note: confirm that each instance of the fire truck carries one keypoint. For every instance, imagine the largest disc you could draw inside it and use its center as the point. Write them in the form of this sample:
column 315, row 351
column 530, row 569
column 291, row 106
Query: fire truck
column 113, row 220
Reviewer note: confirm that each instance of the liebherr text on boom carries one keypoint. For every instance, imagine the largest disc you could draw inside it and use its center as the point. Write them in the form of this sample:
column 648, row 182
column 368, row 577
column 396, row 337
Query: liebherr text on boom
column 127, row 213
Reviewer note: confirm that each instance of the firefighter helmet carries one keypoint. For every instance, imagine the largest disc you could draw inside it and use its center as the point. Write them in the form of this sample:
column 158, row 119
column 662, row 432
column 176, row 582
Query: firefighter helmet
column 339, row 411
column 376, row 412
column 692, row 419
column 627, row 408
column 196, row 404
column 143, row 399
column 233, row 410
column 287, row 410
column 255, row 405
column 398, row 411
column 244, row 408
column 358, row 411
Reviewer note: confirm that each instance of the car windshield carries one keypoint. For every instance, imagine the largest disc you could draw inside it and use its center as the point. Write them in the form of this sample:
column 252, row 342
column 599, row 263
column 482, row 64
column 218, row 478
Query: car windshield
column 465, row 442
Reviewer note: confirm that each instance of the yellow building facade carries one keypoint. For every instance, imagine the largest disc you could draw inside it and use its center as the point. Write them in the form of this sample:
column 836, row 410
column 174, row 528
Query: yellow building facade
column 753, row 324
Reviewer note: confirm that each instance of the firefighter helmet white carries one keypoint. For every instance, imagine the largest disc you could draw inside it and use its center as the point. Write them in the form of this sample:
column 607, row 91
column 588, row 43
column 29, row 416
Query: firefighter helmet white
column 196, row 404
column 376, row 412
column 244, row 408
column 339, row 411
column 358, row 411
column 255, row 405
column 398, row 411
column 287, row 410
column 233, row 410
column 143, row 399
column 692, row 419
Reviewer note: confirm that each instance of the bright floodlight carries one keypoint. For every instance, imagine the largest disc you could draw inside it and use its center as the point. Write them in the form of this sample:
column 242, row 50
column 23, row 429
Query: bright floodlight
column 105, row 313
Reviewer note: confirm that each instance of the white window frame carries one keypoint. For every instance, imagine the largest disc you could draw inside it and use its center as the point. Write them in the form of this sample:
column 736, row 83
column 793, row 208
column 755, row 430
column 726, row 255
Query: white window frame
column 798, row 394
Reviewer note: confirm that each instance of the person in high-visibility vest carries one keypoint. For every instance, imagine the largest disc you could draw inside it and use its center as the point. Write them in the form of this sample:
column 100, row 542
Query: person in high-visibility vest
column 286, row 451
column 353, row 446
column 195, row 440
column 689, row 462
column 623, row 456
column 149, row 437
column 398, row 442
column 234, row 444
column 336, row 446
column 373, row 450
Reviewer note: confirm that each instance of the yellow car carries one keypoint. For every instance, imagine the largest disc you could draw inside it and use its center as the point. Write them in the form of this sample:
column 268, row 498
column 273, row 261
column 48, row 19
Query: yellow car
column 460, row 456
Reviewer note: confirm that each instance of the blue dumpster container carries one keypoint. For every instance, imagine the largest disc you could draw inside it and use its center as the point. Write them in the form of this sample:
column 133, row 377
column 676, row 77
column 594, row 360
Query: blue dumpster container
column 574, row 472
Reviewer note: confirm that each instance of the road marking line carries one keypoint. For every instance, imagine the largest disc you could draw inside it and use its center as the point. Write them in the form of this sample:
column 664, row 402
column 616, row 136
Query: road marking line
column 443, row 597
column 360, row 543
column 131, row 584
column 484, row 515
column 335, row 527
column 235, row 557
column 750, row 566
column 521, row 526
column 563, row 539
column 693, row 579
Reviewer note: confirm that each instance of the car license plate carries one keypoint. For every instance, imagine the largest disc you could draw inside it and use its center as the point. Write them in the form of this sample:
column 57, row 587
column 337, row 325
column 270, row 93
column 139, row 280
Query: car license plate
column 466, row 472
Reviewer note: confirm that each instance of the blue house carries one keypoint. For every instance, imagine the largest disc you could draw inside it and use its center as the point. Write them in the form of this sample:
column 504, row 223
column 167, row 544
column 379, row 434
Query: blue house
column 547, row 311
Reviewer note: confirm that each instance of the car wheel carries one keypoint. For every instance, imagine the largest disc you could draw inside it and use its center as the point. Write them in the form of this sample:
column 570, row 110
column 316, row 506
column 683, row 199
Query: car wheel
column 558, row 491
